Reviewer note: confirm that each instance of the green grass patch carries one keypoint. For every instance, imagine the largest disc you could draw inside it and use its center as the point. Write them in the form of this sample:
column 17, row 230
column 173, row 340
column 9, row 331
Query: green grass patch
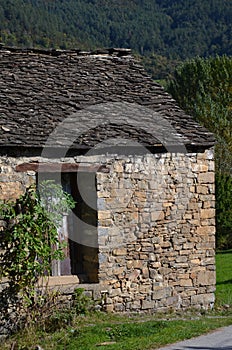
column 114, row 332
column 224, row 278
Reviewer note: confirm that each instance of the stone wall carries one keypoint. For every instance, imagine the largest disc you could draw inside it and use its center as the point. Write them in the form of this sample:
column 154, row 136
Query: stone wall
column 157, row 232
column 12, row 183
column 156, row 227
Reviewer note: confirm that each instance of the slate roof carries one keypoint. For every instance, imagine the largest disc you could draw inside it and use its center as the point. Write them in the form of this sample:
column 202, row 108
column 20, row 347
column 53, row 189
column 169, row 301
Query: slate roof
column 39, row 89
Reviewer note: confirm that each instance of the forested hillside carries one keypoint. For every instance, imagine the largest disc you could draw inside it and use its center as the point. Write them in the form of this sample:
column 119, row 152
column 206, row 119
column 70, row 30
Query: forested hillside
column 176, row 29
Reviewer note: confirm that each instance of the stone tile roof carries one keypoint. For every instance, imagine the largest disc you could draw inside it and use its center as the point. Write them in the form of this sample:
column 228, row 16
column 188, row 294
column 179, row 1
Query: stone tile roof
column 103, row 94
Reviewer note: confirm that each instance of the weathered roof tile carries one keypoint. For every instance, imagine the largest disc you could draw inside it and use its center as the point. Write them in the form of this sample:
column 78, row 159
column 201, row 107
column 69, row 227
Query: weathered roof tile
column 41, row 88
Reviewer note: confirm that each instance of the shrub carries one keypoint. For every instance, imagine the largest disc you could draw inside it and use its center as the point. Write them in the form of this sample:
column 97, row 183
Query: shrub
column 28, row 243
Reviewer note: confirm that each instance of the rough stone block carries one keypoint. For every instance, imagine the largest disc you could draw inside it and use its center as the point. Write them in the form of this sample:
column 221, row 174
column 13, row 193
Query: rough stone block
column 120, row 251
column 148, row 304
column 152, row 257
column 138, row 264
column 206, row 178
column 207, row 213
column 181, row 259
column 136, row 305
column 118, row 167
column 118, row 270
column 133, row 276
column 173, row 301
column 161, row 292
column 195, row 261
column 208, row 204
column 202, row 189
column 119, row 307
column 104, row 214
column 206, row 230
column 145, row 272
column 203, row 300
column 109, row 308
column 186, row 282
column 157, row 215
column 206, row 278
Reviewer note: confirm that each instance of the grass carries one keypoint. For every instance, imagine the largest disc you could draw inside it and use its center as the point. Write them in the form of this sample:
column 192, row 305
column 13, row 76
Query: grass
column 100, row 331
column 224, row 278
column 135, row 332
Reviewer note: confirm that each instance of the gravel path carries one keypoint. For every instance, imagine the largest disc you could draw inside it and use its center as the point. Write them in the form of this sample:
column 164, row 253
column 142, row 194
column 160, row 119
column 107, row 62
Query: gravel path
column 219, row 339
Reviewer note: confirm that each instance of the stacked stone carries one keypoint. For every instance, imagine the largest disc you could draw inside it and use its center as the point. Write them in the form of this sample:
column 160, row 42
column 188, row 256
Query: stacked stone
column 156, row 227
column 12, row 184
column 157, row 232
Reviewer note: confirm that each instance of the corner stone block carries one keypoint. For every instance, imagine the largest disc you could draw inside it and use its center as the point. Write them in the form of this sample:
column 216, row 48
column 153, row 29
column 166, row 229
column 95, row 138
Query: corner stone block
column 206, row 230
column 199, row 167
column 210, row 299
column 205, row 300
column 101, row 203
column 206, row 278
column 202, row 189
column 206, row 178
column 104, row 214
column 207, row 213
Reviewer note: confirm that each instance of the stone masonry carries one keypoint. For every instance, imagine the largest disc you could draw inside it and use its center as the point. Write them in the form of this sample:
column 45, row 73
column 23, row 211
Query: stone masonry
column 156, row 228
column 157, row 232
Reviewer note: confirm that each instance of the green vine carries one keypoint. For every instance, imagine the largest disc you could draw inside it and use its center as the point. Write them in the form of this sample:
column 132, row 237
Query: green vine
column 30, row 234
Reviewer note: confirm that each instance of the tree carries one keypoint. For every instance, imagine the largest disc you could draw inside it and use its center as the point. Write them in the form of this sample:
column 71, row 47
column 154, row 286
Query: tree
column 203, row 88
column 174, row 29
column 224, row 211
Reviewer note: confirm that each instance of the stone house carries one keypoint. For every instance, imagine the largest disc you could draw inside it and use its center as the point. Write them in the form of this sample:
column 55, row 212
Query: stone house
column 140, row 170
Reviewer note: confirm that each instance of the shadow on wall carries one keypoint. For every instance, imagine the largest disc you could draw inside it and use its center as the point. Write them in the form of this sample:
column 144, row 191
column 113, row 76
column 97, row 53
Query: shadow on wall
column 10, row 317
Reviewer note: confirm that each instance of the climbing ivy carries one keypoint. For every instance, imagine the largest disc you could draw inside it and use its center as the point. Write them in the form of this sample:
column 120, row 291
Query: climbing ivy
column 29, row 240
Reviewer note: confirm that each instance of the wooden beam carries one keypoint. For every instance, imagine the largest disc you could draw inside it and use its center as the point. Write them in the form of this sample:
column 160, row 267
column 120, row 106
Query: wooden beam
column 61, row 168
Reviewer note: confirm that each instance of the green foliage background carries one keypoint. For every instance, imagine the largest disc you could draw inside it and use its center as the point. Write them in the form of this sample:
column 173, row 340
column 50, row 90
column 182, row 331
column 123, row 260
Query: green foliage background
column 203, row 87
column 156, row 29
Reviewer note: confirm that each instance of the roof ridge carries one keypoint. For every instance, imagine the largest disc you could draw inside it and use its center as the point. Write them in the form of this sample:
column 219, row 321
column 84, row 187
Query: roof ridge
column 58, row 52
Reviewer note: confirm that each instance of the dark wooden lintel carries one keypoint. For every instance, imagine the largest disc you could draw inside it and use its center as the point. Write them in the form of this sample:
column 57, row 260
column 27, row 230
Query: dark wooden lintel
column 61, row 168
